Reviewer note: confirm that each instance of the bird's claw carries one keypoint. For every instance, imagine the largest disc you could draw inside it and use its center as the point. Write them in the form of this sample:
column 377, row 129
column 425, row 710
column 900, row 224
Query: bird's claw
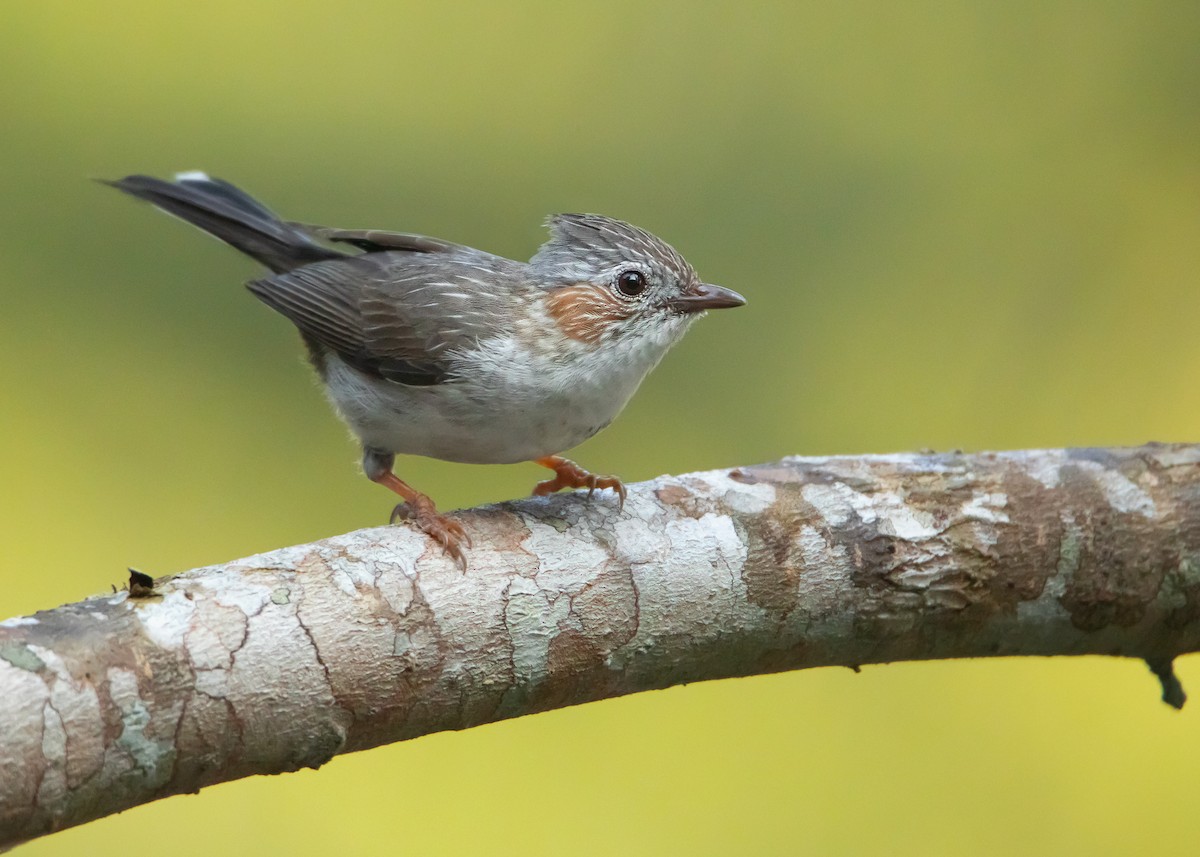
column 568, row 474
column 446, row 531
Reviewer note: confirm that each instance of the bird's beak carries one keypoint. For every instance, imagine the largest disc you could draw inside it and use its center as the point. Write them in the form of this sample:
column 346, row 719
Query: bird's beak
column 705, row 296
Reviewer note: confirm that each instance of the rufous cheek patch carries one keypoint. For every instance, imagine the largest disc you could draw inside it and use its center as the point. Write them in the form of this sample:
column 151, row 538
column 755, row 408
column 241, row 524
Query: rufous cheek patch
column 584, row 312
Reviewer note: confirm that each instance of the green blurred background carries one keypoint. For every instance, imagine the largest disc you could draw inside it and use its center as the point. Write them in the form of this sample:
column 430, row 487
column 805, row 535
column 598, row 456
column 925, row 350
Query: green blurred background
column 967, row 225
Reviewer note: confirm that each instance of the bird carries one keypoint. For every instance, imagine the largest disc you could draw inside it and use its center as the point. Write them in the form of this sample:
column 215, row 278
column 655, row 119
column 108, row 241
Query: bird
column 432, row 348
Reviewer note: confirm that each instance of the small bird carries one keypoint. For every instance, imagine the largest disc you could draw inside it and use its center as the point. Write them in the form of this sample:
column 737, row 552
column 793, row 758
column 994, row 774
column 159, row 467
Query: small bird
column 432, row 348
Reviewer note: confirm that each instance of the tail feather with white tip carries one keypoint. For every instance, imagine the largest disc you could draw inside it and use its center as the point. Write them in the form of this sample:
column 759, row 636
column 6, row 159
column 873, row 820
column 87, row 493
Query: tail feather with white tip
column 230, row 214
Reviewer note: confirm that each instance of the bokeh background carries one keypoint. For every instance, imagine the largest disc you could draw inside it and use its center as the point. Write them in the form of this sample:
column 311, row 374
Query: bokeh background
column 959, row 225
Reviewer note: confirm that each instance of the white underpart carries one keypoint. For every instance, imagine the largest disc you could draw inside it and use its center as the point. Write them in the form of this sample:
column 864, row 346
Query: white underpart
column 509, row 402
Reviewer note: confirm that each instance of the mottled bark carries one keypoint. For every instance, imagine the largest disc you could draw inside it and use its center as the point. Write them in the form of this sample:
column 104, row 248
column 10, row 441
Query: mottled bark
column 280, row 661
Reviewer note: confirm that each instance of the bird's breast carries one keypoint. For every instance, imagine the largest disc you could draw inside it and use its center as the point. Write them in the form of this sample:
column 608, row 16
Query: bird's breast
column 505, row 403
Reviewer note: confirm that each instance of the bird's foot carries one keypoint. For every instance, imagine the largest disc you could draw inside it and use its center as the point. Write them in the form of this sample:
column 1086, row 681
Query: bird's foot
column 568, row 474
column 443, row 529
column 417, row 507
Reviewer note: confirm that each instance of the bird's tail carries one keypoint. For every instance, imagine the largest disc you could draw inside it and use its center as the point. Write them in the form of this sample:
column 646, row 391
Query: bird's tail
column 230, row 214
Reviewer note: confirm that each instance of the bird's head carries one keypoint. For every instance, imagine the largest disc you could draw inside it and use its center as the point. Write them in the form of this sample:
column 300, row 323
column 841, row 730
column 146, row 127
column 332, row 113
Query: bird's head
column 609, row 281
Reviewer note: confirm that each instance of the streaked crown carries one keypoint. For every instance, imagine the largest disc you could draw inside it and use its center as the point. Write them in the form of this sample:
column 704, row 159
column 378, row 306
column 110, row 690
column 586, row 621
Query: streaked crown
column 585, row 247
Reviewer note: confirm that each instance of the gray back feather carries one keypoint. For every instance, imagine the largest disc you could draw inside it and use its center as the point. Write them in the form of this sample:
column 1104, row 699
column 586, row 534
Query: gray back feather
column 397, row 315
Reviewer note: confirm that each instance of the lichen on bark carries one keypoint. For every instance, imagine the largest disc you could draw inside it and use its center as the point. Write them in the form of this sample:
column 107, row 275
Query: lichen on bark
column 280, row 661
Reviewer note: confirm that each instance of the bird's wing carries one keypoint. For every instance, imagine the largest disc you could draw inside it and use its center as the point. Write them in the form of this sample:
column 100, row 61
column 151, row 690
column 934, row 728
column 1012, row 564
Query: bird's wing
column 396, row 315
column 377, row 240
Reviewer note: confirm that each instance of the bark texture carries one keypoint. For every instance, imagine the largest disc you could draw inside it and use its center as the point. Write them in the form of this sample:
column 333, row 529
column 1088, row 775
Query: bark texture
column 280, row 661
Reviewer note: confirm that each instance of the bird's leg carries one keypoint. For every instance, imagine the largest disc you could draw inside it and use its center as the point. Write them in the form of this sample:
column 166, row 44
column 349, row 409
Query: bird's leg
column 417, row 507
column 568, row 474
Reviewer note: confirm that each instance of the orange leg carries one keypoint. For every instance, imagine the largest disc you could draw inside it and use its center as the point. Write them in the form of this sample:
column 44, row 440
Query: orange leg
column 417, row 507
column 568, row 474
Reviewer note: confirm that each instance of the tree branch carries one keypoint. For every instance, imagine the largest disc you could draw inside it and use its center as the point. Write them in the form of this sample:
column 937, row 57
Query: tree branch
column 280, row 661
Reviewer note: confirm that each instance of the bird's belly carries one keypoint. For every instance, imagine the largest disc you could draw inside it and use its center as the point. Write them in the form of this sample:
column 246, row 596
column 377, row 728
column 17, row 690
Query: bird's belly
column 475, row 423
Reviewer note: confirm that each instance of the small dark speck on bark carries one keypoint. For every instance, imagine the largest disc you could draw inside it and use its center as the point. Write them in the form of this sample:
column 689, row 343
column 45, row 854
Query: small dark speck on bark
column 140, row 585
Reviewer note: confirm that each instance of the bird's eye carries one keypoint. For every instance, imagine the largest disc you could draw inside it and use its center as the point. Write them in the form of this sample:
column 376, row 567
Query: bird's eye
column 631, row 283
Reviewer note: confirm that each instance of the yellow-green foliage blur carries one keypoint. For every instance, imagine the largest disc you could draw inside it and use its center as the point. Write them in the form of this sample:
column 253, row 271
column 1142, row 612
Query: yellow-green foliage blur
column 958, row 225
